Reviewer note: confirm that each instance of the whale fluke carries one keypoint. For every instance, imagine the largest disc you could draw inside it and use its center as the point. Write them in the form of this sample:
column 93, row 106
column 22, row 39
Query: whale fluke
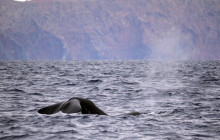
column 52, row 109
column 75, row 105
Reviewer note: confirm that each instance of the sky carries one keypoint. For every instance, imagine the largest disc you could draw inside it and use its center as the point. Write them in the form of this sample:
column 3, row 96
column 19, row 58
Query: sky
column 22, row 0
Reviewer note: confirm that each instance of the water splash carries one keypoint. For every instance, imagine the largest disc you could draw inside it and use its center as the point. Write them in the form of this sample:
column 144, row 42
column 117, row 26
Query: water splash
column 173, row 44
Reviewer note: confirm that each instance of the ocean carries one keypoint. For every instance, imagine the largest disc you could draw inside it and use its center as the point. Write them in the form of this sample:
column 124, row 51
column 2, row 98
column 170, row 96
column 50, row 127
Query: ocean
column 176, row 99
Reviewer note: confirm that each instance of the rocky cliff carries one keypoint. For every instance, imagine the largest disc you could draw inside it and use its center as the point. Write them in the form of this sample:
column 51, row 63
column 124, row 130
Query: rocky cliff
column 110, row 29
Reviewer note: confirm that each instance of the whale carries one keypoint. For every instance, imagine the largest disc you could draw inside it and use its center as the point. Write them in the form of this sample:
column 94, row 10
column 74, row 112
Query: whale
column 73, row 105
column 76, row 105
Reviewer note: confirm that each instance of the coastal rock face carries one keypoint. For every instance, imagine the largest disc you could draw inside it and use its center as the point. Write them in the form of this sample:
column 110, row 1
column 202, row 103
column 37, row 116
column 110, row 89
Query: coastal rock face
column 110, row 29
column 30, row 42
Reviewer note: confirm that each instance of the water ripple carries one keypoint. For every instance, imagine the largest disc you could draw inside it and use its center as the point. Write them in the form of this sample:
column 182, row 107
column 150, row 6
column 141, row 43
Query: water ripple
column 178, row 100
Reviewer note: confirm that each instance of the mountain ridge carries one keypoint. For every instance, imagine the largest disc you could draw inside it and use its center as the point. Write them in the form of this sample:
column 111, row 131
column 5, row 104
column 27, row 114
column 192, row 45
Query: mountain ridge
column 111, row 29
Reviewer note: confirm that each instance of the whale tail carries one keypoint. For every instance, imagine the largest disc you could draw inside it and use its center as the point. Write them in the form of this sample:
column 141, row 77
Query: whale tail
column 71, row 106
column 75, row 105
column 52, row 109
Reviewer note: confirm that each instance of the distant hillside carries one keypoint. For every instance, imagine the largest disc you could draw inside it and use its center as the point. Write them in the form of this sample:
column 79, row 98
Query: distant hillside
column 110, row 29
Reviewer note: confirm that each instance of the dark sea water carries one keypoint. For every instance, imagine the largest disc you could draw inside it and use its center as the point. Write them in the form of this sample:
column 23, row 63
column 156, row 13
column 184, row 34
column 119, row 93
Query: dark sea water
column 177, row 99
